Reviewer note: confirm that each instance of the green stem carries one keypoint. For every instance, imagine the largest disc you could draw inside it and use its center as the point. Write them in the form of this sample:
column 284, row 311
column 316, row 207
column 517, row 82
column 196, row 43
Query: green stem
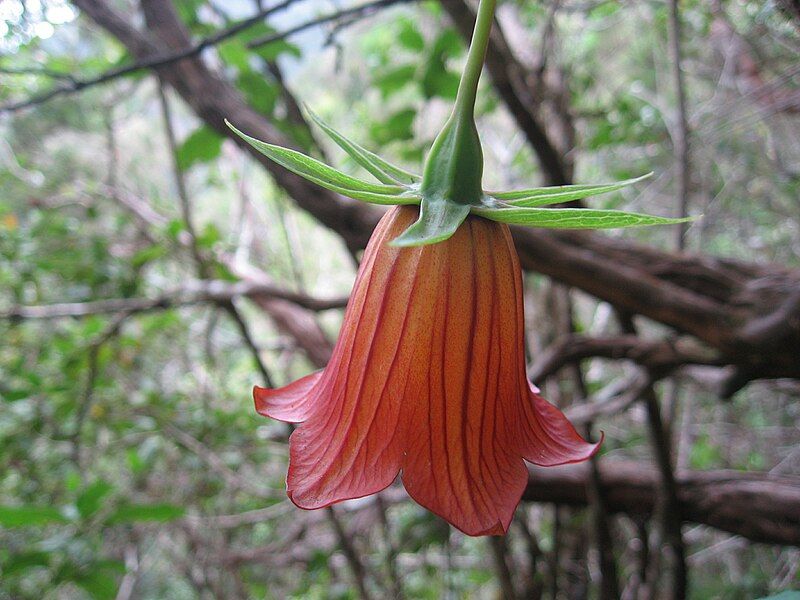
column 452, row 179
column 468, row 88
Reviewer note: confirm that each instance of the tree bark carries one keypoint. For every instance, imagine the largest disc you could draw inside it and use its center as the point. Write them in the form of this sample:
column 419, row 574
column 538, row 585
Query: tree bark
column 756, row 506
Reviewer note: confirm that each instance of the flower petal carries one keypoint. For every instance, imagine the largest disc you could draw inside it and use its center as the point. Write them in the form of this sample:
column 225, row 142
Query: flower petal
column 428, row 378
column 291, row 404
column 548, row 438
column 352, row 445
column 459, row 463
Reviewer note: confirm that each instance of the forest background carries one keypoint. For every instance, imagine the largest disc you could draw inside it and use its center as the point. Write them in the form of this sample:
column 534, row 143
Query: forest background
column 152, row 270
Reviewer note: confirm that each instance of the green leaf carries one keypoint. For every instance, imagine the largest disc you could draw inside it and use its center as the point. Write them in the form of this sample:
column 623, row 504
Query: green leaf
column 270, row 52
column 259, row 93
column 395, row 79
column 91, row 498
column 573, row 218
column 234, row 52
column 14, row 395
column 22, row 562
column 101, row 580
column 24, row 516
column 148, row 254
column 202, row 145
column 384, row 171
column 409, row 37
column 449, row 43
column 438, row 221
column 330, row 178
column 134, row 513
column 556, row 194
column 399, row 126
column 437, row 80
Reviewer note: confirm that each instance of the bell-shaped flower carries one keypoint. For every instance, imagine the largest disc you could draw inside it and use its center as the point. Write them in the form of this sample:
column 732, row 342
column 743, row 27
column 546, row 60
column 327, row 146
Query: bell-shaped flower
column 427, row 379
column 428, row 376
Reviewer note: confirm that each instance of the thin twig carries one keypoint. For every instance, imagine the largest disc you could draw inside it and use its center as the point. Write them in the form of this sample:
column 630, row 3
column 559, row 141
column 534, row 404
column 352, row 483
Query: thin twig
column 500, row 557
column 535, row 584
column 671, row 517
column 217, row 464
column 609, row 585
column 201, row 262
column 363, row 11
column 92, row 371
column 349, row 551
column 391, row 550
column 244, row 330
column 38, row 71
column 180, row 183
column 680, row 134
column 77, row 85
column 192, row 293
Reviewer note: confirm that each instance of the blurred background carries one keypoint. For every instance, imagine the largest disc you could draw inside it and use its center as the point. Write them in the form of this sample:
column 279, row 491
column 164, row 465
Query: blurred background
column 152, row 270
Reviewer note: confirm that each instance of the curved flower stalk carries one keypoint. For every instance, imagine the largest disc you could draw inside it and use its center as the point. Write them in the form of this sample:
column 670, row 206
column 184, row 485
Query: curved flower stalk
column 428, row 378
column 428, row 375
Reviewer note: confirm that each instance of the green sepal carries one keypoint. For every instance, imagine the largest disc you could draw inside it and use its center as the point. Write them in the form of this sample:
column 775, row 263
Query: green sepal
column 573, row 218
column 545, row 196
column 438, row 220
column 330, row 178
column 384, row 171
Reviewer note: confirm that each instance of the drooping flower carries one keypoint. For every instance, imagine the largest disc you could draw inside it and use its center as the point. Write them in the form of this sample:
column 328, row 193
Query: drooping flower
column 428, row 376
column 428, row 379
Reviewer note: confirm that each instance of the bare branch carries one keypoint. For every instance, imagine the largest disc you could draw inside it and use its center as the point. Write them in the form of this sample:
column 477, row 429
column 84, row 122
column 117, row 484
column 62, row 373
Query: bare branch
column 74, row 84
column 680, row 132
column 757, row 506
column 350, row 553
column 194, row 292
column 659, row 356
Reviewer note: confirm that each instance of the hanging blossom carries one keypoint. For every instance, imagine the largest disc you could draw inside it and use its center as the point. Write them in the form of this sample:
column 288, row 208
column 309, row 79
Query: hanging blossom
column 428, row 376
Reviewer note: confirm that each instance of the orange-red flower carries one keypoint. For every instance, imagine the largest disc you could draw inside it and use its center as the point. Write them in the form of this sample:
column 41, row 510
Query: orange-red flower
column 427, row 379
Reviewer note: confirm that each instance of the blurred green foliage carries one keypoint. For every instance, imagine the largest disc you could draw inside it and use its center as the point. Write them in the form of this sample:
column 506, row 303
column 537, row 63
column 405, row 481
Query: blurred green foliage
column 123, row 440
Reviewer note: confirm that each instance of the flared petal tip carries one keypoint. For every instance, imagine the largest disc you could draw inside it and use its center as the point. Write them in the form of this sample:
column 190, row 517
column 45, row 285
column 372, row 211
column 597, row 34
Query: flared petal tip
column 498, row 529
column 290, row 404
column 596, row 446
column 315, row 498
column 260, row 400
column 552, row 440
column 584, row 451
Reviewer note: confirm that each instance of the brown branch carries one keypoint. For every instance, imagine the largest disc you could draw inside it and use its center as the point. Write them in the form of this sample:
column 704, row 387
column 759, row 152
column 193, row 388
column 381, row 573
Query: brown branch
column 658, row 356
column 195, row 292
column 757, row 506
